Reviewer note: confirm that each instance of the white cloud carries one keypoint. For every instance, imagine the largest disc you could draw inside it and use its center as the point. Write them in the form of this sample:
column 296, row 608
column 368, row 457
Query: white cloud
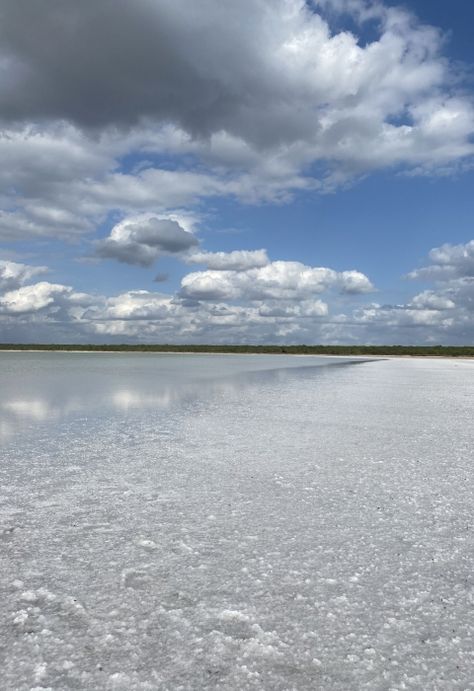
column 398, row 316
column 136, row 304
column 31, row 298
column 428, row 299
column 43, row 170
column 276, row 301
column 248, row 100
column 279, row 302
column 279, row 280
column 237, row 260
column 448, row 262
column 442, row 315
column 14, row 274
column 143, row 315
column 292, row 311
column 354, row 283
column 141, row 240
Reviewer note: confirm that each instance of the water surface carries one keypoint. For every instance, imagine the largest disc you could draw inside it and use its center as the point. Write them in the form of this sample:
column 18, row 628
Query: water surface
column 50, row 387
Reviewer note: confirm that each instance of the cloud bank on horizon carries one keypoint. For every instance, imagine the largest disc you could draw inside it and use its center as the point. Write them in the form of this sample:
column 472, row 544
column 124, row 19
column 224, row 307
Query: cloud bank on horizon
column 125, row 126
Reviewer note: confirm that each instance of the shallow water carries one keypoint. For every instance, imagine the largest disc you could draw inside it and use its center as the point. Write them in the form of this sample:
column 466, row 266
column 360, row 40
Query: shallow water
column 235, row 522
column 48, row 388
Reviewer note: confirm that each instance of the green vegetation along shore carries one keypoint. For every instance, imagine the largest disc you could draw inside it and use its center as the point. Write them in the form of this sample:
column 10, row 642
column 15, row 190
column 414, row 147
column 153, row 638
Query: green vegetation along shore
column 400, row 350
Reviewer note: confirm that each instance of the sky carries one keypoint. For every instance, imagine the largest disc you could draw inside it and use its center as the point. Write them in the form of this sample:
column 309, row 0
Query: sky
column 266, row 171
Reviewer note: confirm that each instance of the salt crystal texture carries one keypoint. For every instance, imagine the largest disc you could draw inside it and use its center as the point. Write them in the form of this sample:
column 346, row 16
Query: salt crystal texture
column 241, row 523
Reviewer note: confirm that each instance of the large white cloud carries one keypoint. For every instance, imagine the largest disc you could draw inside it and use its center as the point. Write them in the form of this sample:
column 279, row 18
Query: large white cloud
column 31, row 298
column 247, row 97
column 279, row 280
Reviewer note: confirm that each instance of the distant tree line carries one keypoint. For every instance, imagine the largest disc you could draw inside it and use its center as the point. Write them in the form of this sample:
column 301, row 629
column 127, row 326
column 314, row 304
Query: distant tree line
column 437, row 350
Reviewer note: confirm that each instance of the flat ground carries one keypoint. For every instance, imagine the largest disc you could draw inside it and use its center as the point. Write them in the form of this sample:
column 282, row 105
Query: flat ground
column 308, row 528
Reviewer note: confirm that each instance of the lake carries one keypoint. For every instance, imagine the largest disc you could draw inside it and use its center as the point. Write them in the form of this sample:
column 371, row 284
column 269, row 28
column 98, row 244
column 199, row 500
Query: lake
column 175, row 521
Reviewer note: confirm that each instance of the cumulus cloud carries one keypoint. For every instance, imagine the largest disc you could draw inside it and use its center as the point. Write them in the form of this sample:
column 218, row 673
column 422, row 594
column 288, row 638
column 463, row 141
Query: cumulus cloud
column 237, row 260
column 39, row 311
column 353, row 283
column 430, row 300
column 448, row 262
column 279, row 280
column 142, row 240
column 144, row 315
column 135, row 304
column 42, row 181
column 277, row 303
column 444, row 314
column 253, row 94
column 294, row 311
column 398, row 316
column 267, row 73
column 31, row 298
column 452, row 271
column 14, row 274
column 273, row 302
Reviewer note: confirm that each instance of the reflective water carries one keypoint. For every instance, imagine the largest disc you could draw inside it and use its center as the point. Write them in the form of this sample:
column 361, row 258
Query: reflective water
column 50, row 387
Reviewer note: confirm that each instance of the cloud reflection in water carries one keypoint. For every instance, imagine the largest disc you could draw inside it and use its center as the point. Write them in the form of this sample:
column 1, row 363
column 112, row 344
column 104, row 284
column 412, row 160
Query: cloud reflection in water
column 46, row 389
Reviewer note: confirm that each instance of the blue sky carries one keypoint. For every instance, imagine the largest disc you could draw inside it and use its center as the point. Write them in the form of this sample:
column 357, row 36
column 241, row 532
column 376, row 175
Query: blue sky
column 282, row 171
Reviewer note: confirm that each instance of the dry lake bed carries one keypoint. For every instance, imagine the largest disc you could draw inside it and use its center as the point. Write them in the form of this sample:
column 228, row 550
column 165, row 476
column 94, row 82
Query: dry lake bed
column 236, row 522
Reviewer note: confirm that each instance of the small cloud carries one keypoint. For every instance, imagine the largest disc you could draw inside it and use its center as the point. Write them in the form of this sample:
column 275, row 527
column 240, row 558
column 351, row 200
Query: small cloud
column 161, row 277
column 14, row 274
column 141, row 240
column 237, row 260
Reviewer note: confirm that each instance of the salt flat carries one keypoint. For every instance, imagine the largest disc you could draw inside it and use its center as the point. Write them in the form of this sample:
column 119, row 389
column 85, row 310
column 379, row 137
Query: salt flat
column 228, row 522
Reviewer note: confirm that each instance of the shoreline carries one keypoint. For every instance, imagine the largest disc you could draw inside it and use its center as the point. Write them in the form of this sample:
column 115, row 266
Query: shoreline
column 379, row 356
